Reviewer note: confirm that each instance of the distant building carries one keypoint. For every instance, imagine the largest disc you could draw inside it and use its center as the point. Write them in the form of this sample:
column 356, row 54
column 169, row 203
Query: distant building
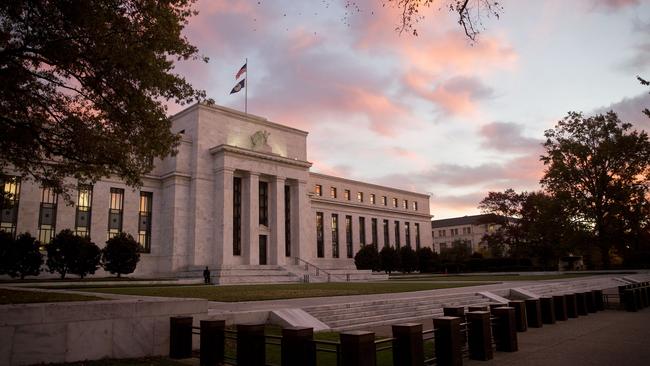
column 467, row 229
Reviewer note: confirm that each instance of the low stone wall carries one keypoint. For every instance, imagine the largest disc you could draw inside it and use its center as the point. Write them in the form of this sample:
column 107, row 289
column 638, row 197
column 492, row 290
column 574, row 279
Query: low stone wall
column 76, row 331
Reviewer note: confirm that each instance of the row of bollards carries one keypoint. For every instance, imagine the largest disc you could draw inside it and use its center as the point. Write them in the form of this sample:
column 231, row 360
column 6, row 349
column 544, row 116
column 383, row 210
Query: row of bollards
column 482, row 330
column 634, row 297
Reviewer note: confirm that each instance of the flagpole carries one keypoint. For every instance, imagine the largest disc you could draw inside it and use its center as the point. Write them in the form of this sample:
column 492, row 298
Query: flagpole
column 246, row 87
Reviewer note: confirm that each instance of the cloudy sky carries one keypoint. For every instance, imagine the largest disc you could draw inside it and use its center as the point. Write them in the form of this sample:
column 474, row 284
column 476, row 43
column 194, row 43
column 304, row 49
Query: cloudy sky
column 435, row 113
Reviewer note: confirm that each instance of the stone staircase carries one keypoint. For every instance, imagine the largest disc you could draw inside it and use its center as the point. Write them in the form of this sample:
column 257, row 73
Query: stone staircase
column 311, row 275
column 244, row 274
column 561, row 288
column 367, row 314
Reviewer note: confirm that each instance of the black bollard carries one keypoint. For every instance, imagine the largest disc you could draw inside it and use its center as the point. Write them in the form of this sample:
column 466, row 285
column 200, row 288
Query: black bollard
column 571, row 306
column 548, row 310
column 180, row 337
column 629, row 300
column 560, row 307
column 212, row 342
column 581, row 303
column 448, row 341
column 505, row 330
column 408, row 347
column 520, row 314
column 251, row 347
column 591, row 301
column 479, row 335
column 298, row 347
column 598, row 298
column 533, row 313
column 358, row 348
column 478, row 308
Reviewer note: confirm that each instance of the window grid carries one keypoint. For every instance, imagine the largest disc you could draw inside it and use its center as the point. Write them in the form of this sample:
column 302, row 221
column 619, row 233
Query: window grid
column 9, row 204
column 47, row 215
column 348, row 236
column 362, row 230
column 335, row 235
column 83, row 215
column 332, row 192
column 346, row 194
column 287, row 221
column 320, row 249
column 144, row 227
column 236, row 216
column 373, row 231
column 397, row 235
column 372, row 199
column 318, row 190
column 115, row 212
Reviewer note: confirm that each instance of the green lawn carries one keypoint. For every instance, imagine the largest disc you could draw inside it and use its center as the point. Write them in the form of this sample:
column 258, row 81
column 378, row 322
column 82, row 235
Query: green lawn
column 26, row 297
column 487, row 277
column 272, row 292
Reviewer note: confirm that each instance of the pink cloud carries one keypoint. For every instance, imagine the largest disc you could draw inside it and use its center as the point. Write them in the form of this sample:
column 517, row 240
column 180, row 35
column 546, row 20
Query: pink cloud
column 457, row 96
column 507, row 136
column 614, row 4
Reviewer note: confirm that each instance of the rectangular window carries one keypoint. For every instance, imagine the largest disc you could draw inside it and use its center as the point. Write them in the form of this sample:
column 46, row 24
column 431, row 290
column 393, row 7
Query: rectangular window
column 398, row 242
column 395, row 202
column 320, row 249
column 360, row 196
column 442, row 233
column 144, row 222
column 9, row 204
column 415, row 205
column 372, row 199
column 47, row 215
column 384, row 200
column 335, row 236
column 417, row 236
column 346, row 194
column 84, row 210
column 373, row 231
column 362, row 230
column 236, row 216
column 115, row 212
column 467, row 230
column 318, row 190
column 348, row 236
column 287, row 221
column 264, row 203
column 405, row 204
column 386, row 234
column 407, row 233
column 333, row 192
column 454, row 232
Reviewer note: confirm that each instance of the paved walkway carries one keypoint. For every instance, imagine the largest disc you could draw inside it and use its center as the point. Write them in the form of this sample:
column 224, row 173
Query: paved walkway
column 610, row 337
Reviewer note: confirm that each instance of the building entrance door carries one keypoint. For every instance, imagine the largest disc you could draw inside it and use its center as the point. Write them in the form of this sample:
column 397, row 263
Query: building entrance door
column 262, row 249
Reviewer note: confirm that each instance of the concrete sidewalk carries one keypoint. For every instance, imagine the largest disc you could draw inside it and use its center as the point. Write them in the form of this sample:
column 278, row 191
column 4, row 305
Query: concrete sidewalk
column 610, row 337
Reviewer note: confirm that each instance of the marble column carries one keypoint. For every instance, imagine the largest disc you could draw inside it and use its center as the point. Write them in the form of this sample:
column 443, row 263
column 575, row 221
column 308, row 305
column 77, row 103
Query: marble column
column 303, row 223
column 276, row 221
column 223, row 217
column 250, row 218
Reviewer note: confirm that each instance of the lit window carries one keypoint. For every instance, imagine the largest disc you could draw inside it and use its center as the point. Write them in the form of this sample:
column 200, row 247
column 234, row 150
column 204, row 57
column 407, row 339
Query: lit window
column 415, row 205
column 335, row 236
column 84, row 209
column 333, row 192
column 144, row 222
column 384, row 200
column 346, row 194
column 318, row 189
column 47, row 215
column 372, row 199
column 115, row 212
column 405, row 204
column 360, row 196
column 395, row 202
column 9, row 204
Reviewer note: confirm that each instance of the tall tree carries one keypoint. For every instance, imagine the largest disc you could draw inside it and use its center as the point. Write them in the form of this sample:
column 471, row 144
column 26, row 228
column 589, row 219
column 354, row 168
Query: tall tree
column 506, row 209
column 601, row 167
column 83, row 85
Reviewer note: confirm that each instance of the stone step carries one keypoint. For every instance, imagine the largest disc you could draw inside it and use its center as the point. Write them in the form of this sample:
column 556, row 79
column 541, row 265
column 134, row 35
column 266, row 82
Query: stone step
column 231, row 280
column 431, row 299
column 395, row 312
column 392, row 305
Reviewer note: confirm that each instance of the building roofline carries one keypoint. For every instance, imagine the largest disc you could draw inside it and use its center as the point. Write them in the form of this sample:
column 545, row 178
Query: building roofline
column 237, row 114
column 464, row 220
column 368, row 184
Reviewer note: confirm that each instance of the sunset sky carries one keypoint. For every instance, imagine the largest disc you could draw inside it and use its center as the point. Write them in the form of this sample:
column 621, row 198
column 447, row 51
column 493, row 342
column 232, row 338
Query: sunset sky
column 435, row 113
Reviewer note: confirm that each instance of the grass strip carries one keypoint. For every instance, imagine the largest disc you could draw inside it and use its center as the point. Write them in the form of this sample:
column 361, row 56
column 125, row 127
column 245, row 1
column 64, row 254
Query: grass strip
column 29, row 297
column 234, row 293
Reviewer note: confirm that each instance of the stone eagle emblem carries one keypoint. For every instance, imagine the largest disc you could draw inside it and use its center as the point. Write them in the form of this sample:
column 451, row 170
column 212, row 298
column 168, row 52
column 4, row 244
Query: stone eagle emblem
column 259, row 140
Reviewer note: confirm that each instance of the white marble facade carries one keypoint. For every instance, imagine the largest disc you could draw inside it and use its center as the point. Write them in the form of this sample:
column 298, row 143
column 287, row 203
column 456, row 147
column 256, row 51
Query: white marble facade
column 225, row 157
